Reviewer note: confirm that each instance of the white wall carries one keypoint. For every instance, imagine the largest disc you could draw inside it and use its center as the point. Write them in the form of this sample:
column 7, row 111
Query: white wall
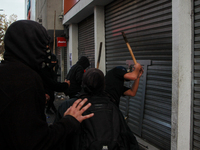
column 181, row 74
column 45, row 10
column 53, row 6
column 33, row 10
column 73, row 42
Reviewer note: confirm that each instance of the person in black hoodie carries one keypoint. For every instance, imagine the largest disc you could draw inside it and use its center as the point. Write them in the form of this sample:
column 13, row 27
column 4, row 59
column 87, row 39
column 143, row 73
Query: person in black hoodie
column 22, row 96
column 49, row 76
column 75, row 76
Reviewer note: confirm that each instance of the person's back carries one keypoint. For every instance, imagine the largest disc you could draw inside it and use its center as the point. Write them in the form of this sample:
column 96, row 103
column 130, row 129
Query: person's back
column 107, row 129
column 12, row 97
column 115, row 83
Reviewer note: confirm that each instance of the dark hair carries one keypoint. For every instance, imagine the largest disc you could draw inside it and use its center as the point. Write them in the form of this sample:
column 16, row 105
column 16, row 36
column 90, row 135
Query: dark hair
column 93, row 82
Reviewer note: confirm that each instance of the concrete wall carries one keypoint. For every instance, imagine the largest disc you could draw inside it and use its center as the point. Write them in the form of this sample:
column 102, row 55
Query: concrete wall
column 45, row 10
column 73, row 43
column 181, row 74
column 53, row 6
column 33, row 10
column 41, row 12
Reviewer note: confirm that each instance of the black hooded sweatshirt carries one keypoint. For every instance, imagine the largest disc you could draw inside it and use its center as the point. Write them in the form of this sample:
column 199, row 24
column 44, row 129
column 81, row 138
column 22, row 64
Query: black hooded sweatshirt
column 75, row 76
column 22, row 98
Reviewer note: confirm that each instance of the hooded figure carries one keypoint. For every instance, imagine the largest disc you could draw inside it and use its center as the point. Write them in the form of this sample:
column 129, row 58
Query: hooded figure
column 75, row 76
column 27, row 43
column 49, row 77
column 22, row 96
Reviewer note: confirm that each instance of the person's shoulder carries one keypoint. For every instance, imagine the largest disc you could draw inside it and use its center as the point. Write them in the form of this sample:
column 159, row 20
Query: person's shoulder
column 79, row 68
column 98, row 98
column 76, row 66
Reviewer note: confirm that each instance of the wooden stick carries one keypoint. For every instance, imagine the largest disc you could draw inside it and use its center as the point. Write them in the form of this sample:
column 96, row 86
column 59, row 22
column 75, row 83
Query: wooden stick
column 98, row 61
column 129, row 48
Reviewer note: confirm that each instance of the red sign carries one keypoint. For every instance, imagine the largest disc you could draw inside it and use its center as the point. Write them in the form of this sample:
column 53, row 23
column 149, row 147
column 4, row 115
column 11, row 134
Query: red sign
column 61, row 42
column 68, row 4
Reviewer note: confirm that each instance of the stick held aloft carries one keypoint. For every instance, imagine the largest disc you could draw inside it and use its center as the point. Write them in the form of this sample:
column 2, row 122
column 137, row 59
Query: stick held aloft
column 129, row 48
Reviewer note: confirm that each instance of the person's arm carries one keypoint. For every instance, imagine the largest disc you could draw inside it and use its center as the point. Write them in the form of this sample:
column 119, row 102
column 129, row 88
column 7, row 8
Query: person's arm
column 33, row 132
column 137, row 72
column 51, row 84
column 133, row 90
column 134, row 75
column 57, row 86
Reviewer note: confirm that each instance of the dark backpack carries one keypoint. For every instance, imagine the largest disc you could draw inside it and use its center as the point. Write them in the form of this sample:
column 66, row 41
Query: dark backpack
column 106, row 130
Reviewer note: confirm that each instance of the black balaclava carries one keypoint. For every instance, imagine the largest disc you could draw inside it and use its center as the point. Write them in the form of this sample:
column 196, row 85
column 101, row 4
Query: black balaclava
column 122, row 68
column 84, row 62
column 54, row 61
column 27, row 41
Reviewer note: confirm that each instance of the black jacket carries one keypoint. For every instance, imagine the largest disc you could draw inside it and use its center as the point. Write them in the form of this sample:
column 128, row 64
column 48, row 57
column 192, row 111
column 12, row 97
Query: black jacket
column 48, row 77
column 114, row 80
column 22, row 98
column 107, row 126
column 75, row 76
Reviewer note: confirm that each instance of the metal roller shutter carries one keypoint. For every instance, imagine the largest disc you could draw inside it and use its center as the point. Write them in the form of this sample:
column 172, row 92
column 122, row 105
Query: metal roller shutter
column 148, row 27
column 86, row 39
column 196, row 81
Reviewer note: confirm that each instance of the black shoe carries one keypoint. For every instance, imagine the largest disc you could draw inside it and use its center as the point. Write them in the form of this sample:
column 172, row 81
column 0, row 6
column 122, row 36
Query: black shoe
column 49, row 112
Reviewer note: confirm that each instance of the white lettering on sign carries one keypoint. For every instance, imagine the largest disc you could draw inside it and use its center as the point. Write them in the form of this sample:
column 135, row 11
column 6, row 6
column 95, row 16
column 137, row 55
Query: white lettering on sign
column 61, row 41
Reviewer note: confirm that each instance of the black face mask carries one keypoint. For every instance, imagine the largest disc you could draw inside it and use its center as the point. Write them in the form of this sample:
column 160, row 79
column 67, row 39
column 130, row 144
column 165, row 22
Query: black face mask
column 47, row 61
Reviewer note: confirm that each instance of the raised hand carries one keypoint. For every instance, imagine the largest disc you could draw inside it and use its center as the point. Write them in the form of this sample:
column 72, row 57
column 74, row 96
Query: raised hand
column 77, row 109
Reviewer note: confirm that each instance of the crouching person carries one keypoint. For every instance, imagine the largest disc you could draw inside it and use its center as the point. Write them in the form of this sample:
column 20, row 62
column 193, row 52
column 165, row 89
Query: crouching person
column 107, row 129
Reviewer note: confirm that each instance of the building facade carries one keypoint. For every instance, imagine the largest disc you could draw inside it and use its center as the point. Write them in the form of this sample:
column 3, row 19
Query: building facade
column 50, row 13
column 164, row 37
